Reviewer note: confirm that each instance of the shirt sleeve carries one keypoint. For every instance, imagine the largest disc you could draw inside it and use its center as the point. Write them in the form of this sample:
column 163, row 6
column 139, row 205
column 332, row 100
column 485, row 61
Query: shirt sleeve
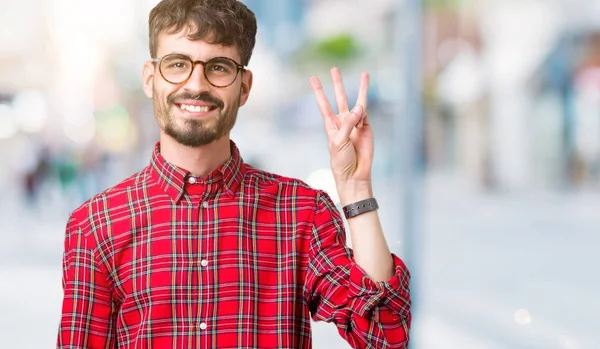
column 87, row 319
column 368, row 314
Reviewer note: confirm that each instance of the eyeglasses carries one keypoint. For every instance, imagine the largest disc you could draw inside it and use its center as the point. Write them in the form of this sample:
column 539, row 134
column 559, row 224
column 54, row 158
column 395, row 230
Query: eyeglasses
column 177, row 68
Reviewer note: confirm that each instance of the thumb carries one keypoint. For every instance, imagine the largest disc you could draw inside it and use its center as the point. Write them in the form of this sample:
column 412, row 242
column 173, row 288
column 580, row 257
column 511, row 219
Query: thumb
column 351, row 120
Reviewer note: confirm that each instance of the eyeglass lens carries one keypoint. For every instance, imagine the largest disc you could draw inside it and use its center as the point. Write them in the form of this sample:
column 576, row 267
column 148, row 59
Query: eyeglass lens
column 218, row 71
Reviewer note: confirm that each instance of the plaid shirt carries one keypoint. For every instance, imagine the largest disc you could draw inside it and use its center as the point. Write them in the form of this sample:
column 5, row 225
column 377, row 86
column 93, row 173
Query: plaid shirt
column 238, row 259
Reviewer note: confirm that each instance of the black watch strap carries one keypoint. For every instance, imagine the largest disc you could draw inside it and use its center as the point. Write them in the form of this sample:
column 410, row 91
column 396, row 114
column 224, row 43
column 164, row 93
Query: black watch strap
column 360, row 207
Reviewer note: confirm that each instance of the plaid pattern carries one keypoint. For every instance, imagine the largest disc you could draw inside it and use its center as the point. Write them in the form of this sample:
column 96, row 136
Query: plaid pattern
column 240, row 259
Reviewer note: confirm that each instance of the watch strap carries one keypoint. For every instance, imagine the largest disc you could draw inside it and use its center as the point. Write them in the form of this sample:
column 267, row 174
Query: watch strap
column 360, row 207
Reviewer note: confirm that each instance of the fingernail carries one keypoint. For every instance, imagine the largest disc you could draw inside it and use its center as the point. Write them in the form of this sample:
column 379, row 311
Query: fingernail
column 357, row 110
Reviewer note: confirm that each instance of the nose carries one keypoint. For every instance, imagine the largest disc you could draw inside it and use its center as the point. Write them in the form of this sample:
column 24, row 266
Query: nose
column 197, row 81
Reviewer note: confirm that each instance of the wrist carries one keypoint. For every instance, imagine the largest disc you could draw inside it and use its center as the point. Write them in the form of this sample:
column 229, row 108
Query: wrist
column 354, row 191
column 357, row 208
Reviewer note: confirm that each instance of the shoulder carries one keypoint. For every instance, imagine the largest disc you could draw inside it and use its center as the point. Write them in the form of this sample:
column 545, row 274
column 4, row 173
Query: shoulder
column 109, row 201
column 272, row 182
column 271, row 185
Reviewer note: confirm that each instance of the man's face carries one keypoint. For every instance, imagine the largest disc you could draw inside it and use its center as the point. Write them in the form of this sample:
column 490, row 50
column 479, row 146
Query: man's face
column 195, row 113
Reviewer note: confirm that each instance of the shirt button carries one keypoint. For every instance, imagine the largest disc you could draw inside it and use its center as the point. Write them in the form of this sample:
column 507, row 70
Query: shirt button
column 192, row 180
column 203, row 326
column 204, row 263
column 205, row 204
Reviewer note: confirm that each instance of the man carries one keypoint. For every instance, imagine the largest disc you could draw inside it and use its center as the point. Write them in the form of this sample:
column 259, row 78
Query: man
column 200, row 250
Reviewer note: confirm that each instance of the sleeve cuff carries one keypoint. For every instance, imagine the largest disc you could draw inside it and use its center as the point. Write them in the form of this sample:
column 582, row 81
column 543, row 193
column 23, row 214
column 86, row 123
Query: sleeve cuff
column 365, row 294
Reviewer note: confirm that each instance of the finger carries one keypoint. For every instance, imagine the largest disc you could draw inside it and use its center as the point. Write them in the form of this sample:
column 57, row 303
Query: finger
column 323, row 103
column 340, row 93
column 363, row 90
column 351, row 121
column 364, row 121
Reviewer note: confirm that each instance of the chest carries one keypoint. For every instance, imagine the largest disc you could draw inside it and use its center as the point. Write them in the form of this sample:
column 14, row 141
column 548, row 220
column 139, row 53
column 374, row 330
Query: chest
column 207, row 252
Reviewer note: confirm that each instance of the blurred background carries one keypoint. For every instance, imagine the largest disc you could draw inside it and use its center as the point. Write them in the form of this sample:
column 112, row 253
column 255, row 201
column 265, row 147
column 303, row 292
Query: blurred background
column 487, row 122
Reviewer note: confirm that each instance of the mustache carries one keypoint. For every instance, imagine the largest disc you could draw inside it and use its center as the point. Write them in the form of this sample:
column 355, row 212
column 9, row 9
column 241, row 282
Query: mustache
column 203, row 96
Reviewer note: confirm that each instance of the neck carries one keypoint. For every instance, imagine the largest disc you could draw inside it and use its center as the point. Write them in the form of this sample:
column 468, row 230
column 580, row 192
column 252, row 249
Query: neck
column 200, row 161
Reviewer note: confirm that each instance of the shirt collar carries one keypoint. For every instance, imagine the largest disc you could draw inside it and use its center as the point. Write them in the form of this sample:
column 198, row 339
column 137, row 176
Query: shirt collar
column 173, row 180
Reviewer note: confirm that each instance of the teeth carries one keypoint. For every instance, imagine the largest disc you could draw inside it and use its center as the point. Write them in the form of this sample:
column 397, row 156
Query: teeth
column 195, row 108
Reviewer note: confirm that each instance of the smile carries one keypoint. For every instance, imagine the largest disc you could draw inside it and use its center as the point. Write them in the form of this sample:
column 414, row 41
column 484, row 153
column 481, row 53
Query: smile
column 196, row 109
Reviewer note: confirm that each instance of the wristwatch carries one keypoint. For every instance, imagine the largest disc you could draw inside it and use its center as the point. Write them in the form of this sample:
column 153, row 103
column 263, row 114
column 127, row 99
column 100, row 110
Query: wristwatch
column 360, row 207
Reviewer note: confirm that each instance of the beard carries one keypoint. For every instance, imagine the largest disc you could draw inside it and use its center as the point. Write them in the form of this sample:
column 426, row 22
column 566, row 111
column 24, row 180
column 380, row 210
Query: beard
column 195, row 132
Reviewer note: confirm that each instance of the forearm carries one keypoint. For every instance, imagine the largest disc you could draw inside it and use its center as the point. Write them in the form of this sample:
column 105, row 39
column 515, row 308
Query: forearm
column 371, row 251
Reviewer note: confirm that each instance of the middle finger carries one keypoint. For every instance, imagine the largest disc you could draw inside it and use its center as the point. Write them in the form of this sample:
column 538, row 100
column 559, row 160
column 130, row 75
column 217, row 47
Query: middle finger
column 340, row 94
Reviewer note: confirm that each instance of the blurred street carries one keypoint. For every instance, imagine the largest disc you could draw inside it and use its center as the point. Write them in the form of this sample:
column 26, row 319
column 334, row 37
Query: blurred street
column 500, row 271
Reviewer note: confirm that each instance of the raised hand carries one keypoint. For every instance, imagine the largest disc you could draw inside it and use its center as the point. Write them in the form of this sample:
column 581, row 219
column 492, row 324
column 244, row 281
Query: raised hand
column 349, row 134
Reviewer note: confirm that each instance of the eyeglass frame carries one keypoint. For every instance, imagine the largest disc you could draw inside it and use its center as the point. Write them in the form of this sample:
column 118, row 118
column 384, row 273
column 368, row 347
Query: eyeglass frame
column 194, row 63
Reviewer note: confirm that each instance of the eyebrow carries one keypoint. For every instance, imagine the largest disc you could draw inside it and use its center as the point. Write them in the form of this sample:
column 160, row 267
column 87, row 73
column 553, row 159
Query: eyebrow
column 204, row 60
column 178, row 53
column 187, row 55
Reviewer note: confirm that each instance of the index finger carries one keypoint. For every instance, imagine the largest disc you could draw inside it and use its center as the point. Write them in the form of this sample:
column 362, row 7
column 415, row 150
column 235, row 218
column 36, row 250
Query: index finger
column 363, row 91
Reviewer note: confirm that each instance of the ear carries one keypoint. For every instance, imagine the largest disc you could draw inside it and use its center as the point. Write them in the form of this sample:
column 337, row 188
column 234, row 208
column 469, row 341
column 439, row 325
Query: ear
column 246, row 86
column 148, row 78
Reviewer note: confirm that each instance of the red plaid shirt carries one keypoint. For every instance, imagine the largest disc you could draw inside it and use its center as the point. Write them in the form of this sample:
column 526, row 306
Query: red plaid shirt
column 239, row 259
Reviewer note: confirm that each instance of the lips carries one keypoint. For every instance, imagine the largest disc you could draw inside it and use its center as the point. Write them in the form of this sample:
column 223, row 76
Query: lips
column 196, row 104
column 196, row 108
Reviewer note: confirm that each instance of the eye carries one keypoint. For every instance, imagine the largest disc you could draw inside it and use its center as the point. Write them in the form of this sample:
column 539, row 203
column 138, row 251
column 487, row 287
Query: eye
column 178, row 65
column 176, row 62
column 220, row 68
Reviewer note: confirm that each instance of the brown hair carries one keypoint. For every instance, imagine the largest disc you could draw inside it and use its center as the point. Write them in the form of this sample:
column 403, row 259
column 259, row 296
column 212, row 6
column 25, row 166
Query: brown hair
column 225, row 22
